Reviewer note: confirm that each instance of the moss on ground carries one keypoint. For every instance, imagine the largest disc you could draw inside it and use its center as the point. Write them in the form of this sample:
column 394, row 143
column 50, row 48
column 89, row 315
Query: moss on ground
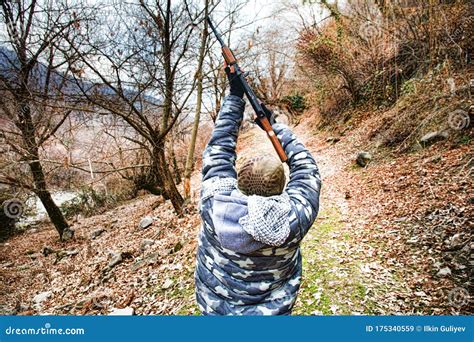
column 332, row 281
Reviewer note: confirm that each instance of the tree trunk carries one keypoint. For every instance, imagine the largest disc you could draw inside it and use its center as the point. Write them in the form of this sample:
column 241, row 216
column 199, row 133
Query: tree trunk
column 40, row 188
column 169, row 186
column 176, row 170
column 190, row 159
column 44, row 195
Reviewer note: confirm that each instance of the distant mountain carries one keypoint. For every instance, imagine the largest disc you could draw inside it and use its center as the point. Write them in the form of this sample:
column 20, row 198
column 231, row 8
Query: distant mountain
column 58, row 82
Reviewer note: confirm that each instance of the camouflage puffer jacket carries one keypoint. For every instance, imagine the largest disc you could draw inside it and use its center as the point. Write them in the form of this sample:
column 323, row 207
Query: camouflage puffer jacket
column 236, row 274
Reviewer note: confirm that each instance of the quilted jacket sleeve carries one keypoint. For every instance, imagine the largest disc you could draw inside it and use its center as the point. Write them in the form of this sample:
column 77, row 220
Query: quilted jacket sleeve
column 219, row 156
column 304, row 185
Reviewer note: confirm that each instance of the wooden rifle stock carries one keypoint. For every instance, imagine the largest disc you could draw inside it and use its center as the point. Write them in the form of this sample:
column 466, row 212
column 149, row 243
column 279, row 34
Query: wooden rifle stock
column 274, row 139
column 228, row 56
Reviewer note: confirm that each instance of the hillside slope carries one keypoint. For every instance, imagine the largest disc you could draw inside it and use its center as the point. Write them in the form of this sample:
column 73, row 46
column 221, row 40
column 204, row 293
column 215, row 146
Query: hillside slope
column 391, row 238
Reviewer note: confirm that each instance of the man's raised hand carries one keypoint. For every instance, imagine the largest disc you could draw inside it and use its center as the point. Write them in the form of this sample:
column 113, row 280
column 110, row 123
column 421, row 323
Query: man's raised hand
column 236, row 88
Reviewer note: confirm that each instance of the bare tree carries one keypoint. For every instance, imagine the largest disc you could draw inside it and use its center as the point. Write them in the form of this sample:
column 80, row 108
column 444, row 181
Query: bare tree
column 270, row 66
column 34, row 85
column 143, row 77
column 197, row 117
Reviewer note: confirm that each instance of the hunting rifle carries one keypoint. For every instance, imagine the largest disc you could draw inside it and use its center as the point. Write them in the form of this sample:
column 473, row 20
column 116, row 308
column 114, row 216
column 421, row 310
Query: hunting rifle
column 261, row 118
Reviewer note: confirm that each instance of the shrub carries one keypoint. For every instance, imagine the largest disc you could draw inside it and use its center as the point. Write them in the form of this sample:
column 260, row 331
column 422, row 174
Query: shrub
column 295, row 102
column 370, row 54
column 90, row 201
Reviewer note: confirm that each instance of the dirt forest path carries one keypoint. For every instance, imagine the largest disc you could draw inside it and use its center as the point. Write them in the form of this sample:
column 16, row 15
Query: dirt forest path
column 342, row 274
column 392, row 238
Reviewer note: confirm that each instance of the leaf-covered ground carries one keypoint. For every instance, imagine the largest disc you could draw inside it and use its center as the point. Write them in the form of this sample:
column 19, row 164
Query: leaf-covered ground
column 384, row 235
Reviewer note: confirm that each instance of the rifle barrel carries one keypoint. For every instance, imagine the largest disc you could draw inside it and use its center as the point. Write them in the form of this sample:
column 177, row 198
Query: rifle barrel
column 213, row 28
